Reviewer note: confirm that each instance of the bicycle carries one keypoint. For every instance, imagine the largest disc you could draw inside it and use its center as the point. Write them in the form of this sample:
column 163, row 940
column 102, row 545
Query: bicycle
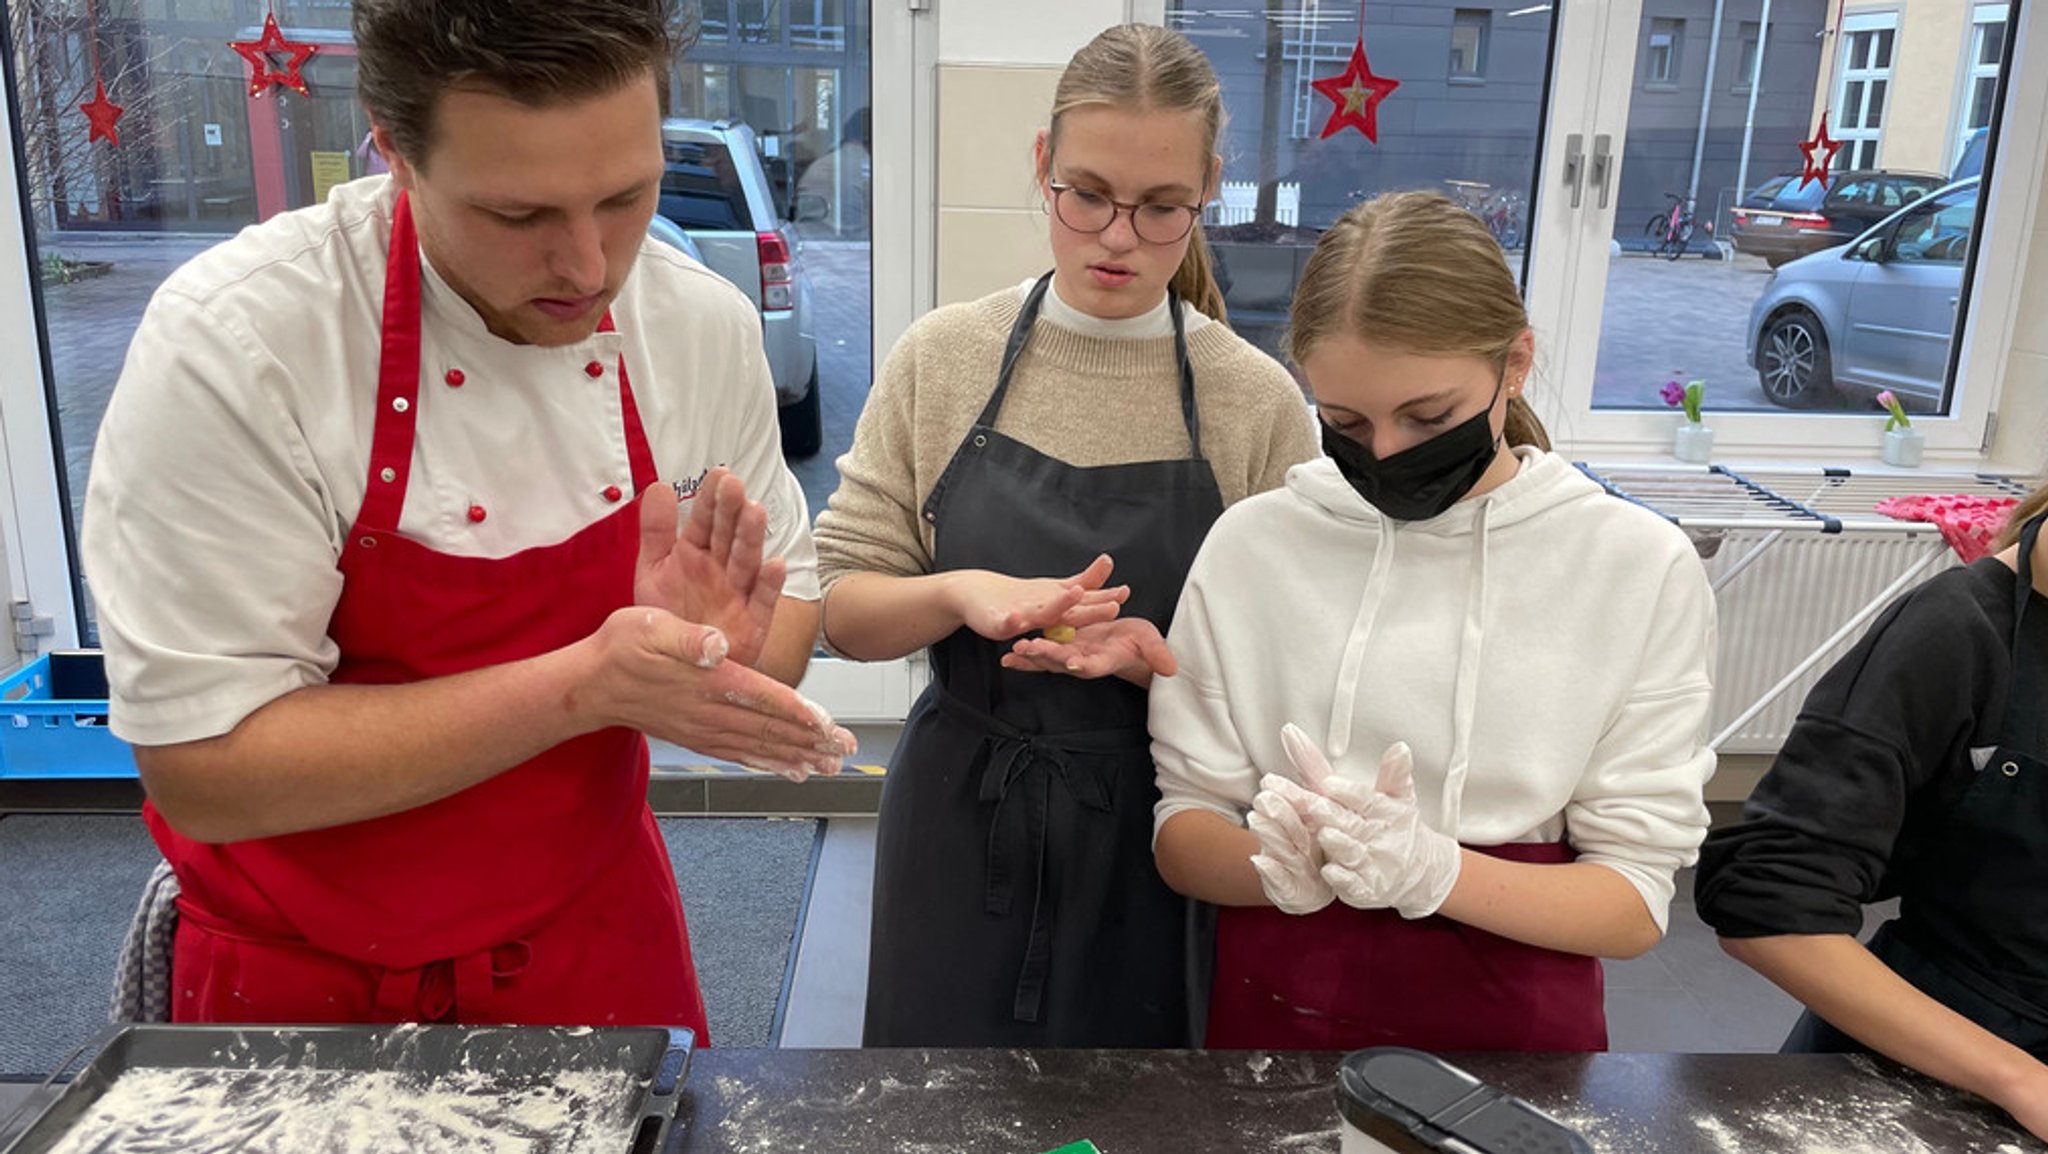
column 1671, row 231
column 1505, row 217
column 1502, row 211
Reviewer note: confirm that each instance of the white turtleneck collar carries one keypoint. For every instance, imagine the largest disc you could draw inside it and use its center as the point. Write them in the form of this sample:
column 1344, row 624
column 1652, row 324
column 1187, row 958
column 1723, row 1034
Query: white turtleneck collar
column 1149, row 325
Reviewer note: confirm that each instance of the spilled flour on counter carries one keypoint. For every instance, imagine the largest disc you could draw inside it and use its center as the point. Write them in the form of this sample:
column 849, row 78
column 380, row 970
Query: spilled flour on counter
column 1877, row 1110
column 212, row 1111
column 1883, row 1112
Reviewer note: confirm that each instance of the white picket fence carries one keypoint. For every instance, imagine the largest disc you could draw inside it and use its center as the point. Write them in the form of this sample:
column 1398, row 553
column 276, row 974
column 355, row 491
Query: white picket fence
column 1240, row 201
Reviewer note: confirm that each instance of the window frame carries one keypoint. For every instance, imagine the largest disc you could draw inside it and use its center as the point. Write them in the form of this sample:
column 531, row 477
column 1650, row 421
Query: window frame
column 41, row 563
column 1567, row 291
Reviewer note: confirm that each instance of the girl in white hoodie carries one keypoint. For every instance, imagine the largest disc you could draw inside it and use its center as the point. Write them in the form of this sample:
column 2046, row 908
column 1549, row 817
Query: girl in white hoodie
column 1437, row 741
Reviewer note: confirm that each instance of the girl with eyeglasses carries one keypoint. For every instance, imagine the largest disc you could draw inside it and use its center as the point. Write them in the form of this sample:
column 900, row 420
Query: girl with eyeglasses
column 1028, row 484
column 1438, row 738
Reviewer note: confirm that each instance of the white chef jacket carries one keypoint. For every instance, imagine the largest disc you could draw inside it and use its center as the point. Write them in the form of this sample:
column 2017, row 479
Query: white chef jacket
column 234, row 452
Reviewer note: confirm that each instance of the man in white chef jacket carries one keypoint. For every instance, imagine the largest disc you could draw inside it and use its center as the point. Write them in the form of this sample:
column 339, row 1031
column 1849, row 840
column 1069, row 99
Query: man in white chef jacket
column 383, row 534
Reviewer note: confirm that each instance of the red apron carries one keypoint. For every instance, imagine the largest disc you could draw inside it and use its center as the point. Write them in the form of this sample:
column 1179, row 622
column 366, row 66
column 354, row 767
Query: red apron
column 1344, row 979
column 542, row 896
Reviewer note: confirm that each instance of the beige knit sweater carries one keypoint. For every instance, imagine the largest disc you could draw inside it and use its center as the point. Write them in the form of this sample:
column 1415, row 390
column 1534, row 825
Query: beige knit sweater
column 1086, row 400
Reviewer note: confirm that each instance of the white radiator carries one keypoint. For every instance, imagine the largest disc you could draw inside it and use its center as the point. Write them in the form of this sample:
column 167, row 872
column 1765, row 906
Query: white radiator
column 1796, row 594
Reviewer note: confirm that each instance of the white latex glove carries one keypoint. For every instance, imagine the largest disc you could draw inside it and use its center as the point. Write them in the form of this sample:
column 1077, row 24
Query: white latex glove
column 1289, row 861
column 1377, row 852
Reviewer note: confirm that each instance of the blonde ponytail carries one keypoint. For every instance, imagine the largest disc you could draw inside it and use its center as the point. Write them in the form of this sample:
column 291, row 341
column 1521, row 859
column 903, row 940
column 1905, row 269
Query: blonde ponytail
column 1195, row 279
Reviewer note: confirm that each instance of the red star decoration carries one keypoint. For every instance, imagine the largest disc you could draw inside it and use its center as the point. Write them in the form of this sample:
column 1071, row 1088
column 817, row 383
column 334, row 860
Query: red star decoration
column 1357, row 94
column 1826, row 145
column 101, row 114
column 267, row 72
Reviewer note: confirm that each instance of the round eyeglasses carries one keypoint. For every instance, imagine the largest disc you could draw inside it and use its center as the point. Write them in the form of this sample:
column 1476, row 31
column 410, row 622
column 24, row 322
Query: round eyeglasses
column 1091, row 212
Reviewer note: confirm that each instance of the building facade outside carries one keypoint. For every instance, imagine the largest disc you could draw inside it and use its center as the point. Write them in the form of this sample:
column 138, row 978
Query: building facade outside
column 1914, row 79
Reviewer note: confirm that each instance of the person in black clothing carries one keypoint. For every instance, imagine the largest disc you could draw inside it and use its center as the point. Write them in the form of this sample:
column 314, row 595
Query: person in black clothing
column 1918, row 769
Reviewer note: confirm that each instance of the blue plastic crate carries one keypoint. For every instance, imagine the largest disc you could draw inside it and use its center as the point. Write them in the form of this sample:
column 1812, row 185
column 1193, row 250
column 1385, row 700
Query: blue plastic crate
column 53, row 721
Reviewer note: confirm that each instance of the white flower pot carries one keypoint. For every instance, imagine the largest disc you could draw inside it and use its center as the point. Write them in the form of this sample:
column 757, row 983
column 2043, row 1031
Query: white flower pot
column 1902, row 447
column 1693, row 443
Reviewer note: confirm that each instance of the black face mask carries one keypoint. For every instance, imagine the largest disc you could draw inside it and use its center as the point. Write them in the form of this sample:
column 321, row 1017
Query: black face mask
column 1418, row 483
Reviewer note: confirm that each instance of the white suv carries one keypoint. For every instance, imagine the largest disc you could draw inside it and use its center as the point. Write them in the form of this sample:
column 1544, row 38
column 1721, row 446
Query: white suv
column 716, row 191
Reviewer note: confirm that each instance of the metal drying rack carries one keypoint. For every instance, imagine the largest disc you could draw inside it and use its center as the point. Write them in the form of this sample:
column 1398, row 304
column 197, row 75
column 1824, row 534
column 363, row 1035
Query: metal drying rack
column 1782, row 501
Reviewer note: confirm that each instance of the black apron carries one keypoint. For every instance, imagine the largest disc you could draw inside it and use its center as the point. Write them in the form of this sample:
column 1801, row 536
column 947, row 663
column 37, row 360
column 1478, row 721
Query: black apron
column 1972, row 931
column 1016, row 901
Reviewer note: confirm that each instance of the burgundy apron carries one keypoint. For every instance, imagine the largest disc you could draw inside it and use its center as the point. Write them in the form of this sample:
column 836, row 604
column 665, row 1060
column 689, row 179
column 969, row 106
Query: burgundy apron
column 1344, row 979
column 543, row 895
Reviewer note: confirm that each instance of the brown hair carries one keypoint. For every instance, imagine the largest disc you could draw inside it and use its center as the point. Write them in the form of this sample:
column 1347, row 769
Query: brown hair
column 1147, row 68
column 2031, row 506
column 1418, row 273
column 538, row 52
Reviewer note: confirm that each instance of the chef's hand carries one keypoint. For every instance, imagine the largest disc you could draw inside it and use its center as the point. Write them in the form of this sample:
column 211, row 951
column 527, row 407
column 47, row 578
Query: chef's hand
column 1000, row 607
column 672, row 680
column 1289, row 861
column 1128, row 647
column 712, row 573
column 1378, row 853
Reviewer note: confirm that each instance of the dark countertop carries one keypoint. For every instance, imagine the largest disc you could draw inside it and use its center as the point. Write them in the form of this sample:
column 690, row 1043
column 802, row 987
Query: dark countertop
column 1155, row 1102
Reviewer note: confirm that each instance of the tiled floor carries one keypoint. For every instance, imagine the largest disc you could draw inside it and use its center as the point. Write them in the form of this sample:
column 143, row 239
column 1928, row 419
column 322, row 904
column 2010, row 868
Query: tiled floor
column 1685, row 995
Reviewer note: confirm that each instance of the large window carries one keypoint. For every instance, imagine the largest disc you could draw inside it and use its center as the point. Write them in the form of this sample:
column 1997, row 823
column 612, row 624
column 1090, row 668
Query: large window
column 1439, row 130
column 199, row 157
column 1738, row 270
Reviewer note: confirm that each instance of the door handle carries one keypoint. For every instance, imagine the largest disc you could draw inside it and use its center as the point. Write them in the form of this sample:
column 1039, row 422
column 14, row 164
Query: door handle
column 1603, row 162
column 1575, row 166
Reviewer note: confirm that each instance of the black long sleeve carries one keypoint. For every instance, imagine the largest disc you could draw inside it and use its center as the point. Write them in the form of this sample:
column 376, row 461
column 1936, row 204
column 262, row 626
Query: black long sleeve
column 1879, row 753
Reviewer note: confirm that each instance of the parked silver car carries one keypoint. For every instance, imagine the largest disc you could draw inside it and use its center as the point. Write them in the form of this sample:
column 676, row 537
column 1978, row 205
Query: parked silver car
column 1877, row 313
column 714, row 188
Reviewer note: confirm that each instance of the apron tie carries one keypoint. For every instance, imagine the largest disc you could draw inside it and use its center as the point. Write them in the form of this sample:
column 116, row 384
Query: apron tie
column 436, row 991
column 1012, row 757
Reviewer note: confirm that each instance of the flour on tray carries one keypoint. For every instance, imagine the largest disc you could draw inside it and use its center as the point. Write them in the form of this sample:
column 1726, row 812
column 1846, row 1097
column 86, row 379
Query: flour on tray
column 211, row 1111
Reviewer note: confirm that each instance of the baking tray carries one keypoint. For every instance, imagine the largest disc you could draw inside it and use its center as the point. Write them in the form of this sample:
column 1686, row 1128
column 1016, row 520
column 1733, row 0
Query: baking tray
column 658, row 1058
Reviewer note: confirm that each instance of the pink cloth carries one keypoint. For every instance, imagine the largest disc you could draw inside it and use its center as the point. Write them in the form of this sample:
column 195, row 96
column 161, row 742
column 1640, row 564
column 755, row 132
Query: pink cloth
column 1969, row 524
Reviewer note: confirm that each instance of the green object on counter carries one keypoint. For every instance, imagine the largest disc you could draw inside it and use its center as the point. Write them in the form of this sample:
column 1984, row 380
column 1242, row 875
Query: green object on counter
column 1084, row 1146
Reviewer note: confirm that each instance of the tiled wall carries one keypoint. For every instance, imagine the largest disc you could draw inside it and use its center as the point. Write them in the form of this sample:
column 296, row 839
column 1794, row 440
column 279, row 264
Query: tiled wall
column 992, row 225
column 998, row 64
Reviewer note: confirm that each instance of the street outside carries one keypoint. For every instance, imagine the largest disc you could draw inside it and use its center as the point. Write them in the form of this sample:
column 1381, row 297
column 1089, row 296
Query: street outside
column 1663, row 321
column 1681, row 320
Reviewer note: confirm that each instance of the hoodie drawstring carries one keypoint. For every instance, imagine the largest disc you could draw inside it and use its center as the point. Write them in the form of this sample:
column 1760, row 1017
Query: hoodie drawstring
column 1338, row 740
column 1465, row 688
column 1465, row 685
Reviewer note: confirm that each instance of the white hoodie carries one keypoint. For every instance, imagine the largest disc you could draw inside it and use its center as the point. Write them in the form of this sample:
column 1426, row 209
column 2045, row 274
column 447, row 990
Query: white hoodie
column 1546, row 650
